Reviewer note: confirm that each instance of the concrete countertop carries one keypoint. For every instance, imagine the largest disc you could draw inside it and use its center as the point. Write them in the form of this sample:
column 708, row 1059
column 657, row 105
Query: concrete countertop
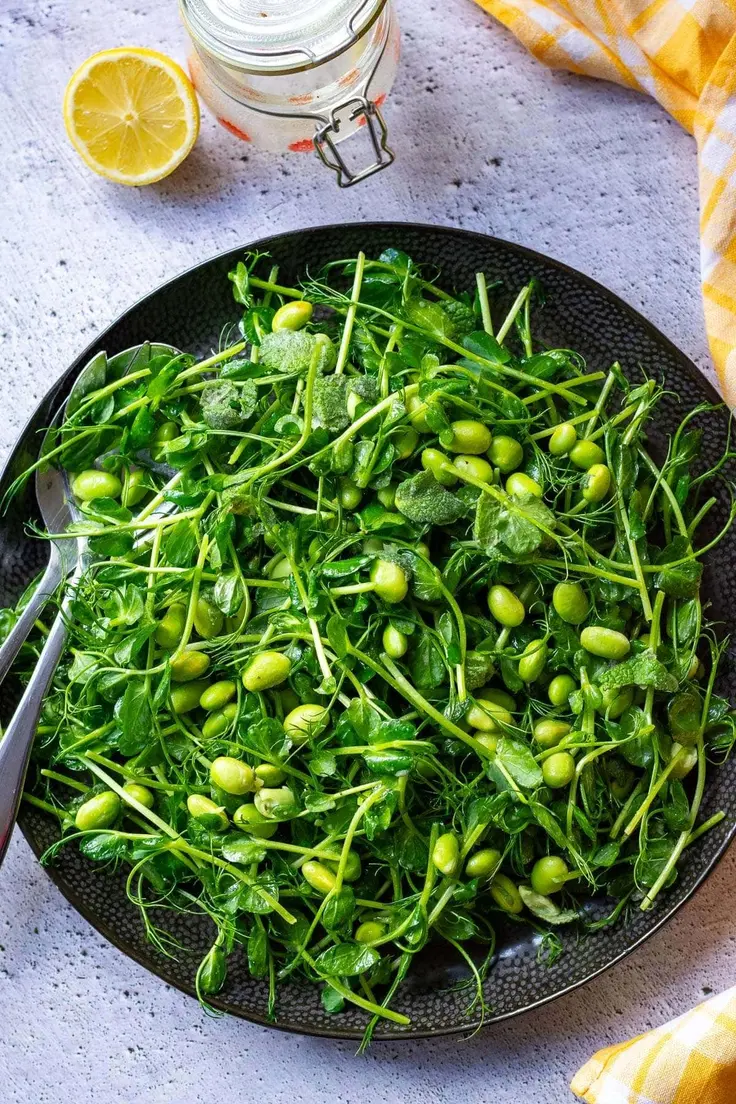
column 486, row 139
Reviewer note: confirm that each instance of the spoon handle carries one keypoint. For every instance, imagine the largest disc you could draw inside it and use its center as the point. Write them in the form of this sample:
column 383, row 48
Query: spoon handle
column 17, row 742
column 47, row 586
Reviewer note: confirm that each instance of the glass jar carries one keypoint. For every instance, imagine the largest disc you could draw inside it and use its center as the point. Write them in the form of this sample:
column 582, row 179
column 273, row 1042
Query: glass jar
column 297, row 75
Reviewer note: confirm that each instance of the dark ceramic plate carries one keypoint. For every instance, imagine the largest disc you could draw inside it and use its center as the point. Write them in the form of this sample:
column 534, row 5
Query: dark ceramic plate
column 189, row 312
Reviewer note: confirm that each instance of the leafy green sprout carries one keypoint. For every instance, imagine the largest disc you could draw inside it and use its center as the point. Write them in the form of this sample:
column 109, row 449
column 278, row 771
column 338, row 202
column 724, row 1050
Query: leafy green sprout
column 386, row 674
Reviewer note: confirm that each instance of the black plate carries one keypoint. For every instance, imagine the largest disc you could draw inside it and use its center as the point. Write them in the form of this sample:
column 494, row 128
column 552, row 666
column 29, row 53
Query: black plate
column 189, row 312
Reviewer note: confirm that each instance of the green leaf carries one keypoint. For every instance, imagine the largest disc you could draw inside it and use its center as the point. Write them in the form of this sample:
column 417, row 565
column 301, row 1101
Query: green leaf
column 339, row 910
column 424, row 500
column 684, row 712
column 257, row 951
column 485, row 345
column 393, row 761
column 142, row 429
column 323, row 764
column 678, row 580
column 519, row 761
column 135, row 719
column 508, row 530
column 643, row 670
column 103, row 847
column 181, row 544
column 332, row 1001
column 346, row 960
column 212, row 970
column 240, row 849
column 228, row 593
column 545, row 908
column 676, row 808
column 337, row 634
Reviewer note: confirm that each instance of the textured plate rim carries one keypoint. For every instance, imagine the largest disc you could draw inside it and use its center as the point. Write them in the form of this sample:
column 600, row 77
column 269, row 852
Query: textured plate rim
column 69, row 893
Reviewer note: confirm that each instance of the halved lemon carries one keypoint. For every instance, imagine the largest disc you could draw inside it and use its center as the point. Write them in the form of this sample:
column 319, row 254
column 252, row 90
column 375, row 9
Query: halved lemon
column 132, row 114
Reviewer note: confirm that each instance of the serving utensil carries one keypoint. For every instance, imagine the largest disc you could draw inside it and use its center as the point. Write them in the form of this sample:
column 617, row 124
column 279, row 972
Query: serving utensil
column 68, row 558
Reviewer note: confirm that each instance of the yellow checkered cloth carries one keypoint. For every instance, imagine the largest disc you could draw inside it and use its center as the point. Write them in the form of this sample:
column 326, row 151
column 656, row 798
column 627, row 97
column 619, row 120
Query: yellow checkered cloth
column 691, row 1060
column 682, row 52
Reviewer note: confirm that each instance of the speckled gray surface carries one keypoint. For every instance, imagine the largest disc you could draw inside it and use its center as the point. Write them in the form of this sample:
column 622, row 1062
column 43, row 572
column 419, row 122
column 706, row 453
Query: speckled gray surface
column 485, row 139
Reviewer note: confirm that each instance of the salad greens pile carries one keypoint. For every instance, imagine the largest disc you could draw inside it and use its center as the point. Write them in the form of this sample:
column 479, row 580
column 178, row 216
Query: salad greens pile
column 391, row 631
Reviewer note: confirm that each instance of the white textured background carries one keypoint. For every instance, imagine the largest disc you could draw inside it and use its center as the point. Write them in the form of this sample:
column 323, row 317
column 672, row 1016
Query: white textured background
column 486, row 139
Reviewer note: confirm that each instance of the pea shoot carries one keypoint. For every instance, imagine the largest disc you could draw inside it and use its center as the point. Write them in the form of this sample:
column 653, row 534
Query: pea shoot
column 418, row 654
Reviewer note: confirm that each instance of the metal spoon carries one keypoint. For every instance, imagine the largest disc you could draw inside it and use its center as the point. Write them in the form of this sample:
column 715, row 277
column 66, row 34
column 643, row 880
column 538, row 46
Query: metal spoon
column 67, row 558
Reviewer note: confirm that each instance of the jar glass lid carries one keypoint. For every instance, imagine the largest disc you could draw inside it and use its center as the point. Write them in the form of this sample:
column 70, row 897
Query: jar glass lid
column 278, row 35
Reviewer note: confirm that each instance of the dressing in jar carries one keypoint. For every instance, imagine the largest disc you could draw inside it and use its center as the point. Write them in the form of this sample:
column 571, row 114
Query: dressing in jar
column 299, row 75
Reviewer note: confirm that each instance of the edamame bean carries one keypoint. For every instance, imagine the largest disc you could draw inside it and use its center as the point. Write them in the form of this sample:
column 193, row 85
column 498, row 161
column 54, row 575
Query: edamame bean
column 422, row 549
column 488, row 740
column 186, row 697
column 606, row 643
column 563, row 439
column 265, row 670
column 189, row 665
column 548, row 875
column 389, row 581
column 203, row 808
column 506, row 895
column 395, row 642
column 92, row 484
column 318, row 876
column 306, row 722
column 434, row 461
column 533, row 660
column 248, row 819
column 134, row 488
column 548, row 732
column 349, row 494
column 470, row 437
column 507, row 609
column 446, row 854
column 353, row 868
column 208, row 619
column 171, row 626
column 139, row 793
column 292, row 316
column 282, row 569
column 232, row 775
column 521, row 484
column 488, row 717
column 500, row 697
column 476, row 467
column 272, row 803
column 372, row 544
column 165, row 433
column 685, row 763
column 483, row 863
column 218, row 723
column 558, row 770
column 570, row 602
column 269, row 774
column 218, row 694
column 370, row 931
column 597, row 483
column 615, row 702
column 584, row 454
column 235, row 623
column 506, row 454
column 99, row 811
column 405, row 442
column 416, row 408
column 387, row 496
column 560, row 689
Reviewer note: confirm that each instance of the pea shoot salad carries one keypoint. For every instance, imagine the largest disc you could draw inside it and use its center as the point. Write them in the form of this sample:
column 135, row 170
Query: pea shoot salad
column 416, row 649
